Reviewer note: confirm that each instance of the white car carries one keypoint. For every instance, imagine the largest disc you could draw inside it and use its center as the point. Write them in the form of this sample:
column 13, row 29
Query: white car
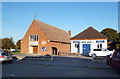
column 5, row 56
column 13, row 50
column 100, row 52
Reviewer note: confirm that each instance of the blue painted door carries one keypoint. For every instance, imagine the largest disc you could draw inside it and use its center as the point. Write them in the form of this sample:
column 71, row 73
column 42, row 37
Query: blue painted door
column 86, row 48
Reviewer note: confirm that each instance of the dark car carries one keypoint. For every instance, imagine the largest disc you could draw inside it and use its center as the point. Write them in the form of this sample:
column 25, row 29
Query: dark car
column 114, row 59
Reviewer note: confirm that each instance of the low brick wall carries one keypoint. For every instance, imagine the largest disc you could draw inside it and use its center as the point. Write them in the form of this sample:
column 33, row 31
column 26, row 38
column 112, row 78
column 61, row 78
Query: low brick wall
column 67, row 53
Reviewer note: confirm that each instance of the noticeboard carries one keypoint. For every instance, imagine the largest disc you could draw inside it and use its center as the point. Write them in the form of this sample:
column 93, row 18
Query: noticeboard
column 43, row 48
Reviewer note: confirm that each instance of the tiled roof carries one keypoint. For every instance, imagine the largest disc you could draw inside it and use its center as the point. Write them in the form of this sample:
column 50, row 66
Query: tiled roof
column 89, row 33
column 53, row 33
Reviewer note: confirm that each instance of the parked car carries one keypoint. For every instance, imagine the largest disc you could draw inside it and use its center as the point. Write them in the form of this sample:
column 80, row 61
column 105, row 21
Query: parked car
column 13, row 50
column 114, row 59
column 5, row 56
column 100, row 52
column 6, row 51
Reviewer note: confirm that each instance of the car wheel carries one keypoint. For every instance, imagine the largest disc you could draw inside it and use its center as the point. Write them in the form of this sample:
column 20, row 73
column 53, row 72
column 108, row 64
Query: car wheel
column 10, row 61
column 0, row 62
column 109, row 62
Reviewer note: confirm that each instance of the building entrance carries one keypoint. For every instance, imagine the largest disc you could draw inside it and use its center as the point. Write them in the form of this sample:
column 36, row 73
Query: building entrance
column 54, row 50
column 35, row 49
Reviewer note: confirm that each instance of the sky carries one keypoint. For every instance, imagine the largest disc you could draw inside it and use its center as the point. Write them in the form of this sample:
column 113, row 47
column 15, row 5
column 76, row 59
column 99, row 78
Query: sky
column 75, row 16
column 60, row 0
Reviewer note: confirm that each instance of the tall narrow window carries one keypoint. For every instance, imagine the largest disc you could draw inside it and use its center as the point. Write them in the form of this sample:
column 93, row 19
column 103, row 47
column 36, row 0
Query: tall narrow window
column 100, row 45
column 75, row 45
column 30, row 37
column 35, row 37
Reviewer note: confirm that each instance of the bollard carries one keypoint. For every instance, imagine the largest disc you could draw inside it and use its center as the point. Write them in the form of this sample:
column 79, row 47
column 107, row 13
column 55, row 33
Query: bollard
column 52, row 56
column 92, row 58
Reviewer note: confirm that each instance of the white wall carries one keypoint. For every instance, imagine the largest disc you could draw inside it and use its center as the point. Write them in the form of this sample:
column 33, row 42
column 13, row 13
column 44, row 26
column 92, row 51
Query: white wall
column 73, row 49
column 31, row 44
column 93, row 45
column 30, row 49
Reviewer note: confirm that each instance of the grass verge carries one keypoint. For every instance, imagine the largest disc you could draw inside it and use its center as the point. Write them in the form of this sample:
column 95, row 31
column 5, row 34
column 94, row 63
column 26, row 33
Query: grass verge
column 15, row 52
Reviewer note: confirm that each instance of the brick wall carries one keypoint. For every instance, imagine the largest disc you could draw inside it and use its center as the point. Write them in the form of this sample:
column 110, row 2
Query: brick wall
column 35, row 30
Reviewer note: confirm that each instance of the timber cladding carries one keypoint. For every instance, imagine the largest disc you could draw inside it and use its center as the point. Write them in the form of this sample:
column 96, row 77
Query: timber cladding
column 50, row 39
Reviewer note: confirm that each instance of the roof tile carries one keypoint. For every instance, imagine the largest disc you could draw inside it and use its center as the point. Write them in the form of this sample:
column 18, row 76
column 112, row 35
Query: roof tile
column 53, row 33
column 88, row 34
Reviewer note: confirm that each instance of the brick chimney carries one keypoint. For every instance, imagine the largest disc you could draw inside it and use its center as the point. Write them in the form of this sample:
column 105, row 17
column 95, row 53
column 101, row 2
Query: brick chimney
column 69, row 32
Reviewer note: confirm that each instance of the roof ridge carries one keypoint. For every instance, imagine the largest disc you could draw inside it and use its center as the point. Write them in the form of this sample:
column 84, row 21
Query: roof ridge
column 99, row 32
column 82, row 34
column 50, row 25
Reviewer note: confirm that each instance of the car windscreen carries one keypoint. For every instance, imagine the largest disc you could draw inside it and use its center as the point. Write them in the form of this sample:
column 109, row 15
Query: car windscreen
column 97, row 50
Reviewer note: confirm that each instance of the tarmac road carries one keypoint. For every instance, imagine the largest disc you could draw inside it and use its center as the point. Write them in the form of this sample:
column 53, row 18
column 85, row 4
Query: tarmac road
column 60, row 67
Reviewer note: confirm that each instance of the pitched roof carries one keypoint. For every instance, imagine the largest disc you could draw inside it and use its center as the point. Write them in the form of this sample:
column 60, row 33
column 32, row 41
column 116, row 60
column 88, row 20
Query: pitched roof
column 53, row 33
column 89, row 33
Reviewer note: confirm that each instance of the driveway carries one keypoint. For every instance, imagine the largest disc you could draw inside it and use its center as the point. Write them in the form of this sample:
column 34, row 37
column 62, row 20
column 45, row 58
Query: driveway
column 61, row 66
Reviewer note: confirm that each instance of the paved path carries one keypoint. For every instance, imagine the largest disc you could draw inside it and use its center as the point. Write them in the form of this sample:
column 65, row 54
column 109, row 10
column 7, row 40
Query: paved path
column 22, row 55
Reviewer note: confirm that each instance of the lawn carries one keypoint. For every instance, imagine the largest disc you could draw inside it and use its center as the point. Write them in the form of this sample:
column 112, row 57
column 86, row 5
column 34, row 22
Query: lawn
column 15, row 52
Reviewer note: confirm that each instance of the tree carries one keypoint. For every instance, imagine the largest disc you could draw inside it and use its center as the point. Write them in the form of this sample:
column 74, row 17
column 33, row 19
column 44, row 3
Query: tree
column 119, row 34
column 7, row 43
column 18, row 44
column 113, row 38
column 111, row 34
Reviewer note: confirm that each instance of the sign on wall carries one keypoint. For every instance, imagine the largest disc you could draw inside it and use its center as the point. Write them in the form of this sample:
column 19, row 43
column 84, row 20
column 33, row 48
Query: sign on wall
column 83, row 42
column 43, row 48
column 100, row 41
column 89, row 41
column 86, row 42
column 43, row 42
column 33, row 43
column 75, row 41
